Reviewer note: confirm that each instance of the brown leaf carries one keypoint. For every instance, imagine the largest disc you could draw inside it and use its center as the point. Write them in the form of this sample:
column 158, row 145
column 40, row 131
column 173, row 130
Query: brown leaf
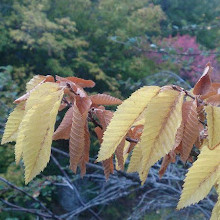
column 214, row 100
column 104, row 99
column 108, row 167
column 63, row 131
column 104, row 116
column 135, row 133
column 200, row 111
column 179, row 137
column 85, row 157
column 169, row 158
column 77, row 138
column 203, row 86
column 74, row 89
column 99, row 133
column 82, row 82
column 120, row 154
column 191, row 128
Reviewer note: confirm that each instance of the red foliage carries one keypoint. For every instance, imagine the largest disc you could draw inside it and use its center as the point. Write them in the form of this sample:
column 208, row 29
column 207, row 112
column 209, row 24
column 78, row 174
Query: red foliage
column 186, row 52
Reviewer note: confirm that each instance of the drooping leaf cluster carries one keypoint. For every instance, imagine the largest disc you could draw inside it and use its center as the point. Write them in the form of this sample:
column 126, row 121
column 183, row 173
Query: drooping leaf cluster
column 153, row 123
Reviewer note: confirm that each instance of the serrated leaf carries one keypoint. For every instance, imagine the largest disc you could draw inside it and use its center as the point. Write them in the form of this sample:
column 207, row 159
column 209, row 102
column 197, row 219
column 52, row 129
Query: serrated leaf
column 191, row 128
column 163, row 118
column 85, row 156
column 77, row 139
column 200, row 177
column 81, row 82
column 104, row 116
column 119, row 153
column 169, row 158
column 104, row 99
column 34, row 82
column 202, row 87
column 41, row 93
column 214, row 100
column 63, row 131
column 32, row 85
column 123, row 118
column 216, row 209
column 38, row 96
column 35, row 133
column 136, row 158
column 13, row 122
column 213, row 121
column 108, row 165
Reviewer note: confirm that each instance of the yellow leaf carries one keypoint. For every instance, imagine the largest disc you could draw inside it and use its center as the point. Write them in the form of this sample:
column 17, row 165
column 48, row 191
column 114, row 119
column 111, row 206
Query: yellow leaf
column 123, row 119
column 135, row 161
column 201, row 177
column 36, row 131
column 163, row 118
column 34, row 82
column 213, row 121
column 12, row 125
column 40, row 94
column 216, row 209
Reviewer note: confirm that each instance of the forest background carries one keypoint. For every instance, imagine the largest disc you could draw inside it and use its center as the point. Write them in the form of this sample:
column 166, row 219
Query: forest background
column 121, row 45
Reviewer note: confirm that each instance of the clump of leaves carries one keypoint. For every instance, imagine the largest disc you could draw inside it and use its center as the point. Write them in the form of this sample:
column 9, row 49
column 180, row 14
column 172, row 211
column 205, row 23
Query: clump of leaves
column 154, row 122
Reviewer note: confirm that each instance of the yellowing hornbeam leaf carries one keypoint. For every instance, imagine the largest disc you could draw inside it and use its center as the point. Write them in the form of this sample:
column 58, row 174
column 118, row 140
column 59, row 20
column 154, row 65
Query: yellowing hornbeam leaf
column 216, row 209
column 34, row 82
column 135, row 161
column 213, row 121
column 163, row 118
column 123, row 119
column 201, row 177
column 12, row 125
column 35, row 133
column 39, row 95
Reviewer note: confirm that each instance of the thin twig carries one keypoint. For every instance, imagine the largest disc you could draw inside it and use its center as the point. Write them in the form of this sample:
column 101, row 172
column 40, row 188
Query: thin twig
column 73, row 186
column 22, row 209
column 27, row 194
column 180, row 89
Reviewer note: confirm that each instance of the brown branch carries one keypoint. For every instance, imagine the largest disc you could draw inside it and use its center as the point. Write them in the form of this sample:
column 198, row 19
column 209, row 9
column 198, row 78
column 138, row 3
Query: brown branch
column 70, row 88
column 180, row 89
column 131, row 140
column 66, row 102
column 95, row 122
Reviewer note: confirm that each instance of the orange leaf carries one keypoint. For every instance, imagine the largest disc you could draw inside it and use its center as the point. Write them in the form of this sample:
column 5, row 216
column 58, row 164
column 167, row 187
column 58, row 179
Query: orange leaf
column 171, row 157
column 81, row 82
column 120, row 154
column 214, row 100
column 63, row 131
column 191, row 128
column 104, row 99
column 77, row 138
column 85, row 156
column 108, row 167
column 203, row 85
column 104, row 116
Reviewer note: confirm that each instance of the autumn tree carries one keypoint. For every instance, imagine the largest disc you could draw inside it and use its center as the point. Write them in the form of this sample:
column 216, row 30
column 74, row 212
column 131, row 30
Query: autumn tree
column 153, row 123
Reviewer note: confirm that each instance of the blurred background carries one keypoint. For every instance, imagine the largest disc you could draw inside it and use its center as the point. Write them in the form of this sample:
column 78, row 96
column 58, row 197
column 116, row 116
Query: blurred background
column 121, row 45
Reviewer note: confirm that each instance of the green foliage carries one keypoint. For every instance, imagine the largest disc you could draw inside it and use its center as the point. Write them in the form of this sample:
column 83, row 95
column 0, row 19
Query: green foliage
column 75, row 38
column 199, row 18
